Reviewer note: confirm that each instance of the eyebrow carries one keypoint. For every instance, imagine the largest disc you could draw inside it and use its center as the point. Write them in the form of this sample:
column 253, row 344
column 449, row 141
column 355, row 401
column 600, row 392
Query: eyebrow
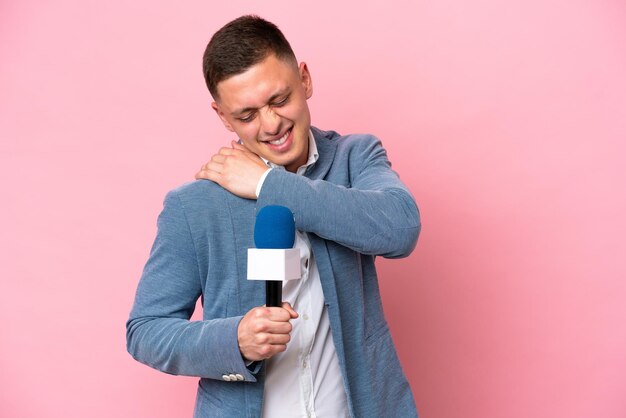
column 285, row 92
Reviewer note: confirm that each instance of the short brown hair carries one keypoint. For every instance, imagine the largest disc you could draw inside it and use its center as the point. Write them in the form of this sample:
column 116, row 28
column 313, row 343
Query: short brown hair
column 239, row 45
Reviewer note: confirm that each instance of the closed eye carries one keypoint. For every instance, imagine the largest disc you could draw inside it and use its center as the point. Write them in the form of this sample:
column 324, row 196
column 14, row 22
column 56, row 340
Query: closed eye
column 282, row 102
column 248, row 118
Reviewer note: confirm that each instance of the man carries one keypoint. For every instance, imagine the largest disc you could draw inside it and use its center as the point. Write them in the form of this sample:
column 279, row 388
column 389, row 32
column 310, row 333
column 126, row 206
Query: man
column 327, row 351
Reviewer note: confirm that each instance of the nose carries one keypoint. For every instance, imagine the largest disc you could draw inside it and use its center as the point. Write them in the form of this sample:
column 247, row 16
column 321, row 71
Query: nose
column 270, row 121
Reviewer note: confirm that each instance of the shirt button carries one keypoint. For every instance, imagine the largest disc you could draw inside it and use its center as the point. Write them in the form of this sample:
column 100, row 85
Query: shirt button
column 304, row 364
column 226, row 377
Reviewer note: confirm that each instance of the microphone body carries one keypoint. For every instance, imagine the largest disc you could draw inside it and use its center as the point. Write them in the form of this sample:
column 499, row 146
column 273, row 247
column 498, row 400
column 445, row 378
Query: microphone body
column 273, row 293
column 274, row 259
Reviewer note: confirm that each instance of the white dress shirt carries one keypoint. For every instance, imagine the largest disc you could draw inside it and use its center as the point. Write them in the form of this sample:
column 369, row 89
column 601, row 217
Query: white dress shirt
column 305, row 380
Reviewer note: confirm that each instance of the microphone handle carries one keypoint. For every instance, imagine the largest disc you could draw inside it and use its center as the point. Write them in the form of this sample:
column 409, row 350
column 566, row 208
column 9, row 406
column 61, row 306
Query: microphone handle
column 273, row 293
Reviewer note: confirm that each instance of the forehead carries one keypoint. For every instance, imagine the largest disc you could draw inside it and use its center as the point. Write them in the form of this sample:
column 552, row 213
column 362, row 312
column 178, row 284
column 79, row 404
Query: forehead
column 258, row 83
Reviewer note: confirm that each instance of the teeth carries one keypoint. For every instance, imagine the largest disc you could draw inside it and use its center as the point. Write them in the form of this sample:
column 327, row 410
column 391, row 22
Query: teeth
column 281, row 140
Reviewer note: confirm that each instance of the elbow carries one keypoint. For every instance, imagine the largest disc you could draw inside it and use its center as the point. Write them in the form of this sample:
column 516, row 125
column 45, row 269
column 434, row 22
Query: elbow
column 130, row 343
column 138, row 343
column 412, row 238
column 133, row 339
column 400, row 239
column 404, row 242
column 149, row 343
column 394, row 242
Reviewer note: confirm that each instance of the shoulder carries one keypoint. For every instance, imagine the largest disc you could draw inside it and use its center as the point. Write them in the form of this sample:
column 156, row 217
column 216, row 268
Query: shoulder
column 198, row 190
column 347, row 146
column 199, row 196
column 352, row 149
column 348, row 141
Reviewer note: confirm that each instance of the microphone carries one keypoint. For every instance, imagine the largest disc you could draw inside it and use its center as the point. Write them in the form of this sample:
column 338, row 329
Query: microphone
column 274, row 259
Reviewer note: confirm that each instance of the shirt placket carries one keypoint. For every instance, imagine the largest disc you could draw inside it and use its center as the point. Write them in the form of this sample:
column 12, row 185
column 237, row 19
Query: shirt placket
column 307, row 335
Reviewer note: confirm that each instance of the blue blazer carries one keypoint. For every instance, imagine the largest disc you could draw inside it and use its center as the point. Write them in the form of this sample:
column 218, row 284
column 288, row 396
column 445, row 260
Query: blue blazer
column 353, row 207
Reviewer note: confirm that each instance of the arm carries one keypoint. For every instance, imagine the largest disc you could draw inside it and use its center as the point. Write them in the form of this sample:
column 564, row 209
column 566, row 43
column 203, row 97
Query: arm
column 159, row 332
column 375, row 215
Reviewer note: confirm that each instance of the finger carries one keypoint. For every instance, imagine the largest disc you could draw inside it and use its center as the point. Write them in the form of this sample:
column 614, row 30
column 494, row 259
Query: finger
column 237, row 145
column 280, row 339
column 261, row 326
column 202, row 173
column 208, row 175
column 218, row 158
column 241, row 147
column 228, row 151
column 292, row 313
column 260, row 329
column 272, row 339
column 214, row 167
column 279, row 328
column 279, row 314
column 269, row 351
column 210, row 171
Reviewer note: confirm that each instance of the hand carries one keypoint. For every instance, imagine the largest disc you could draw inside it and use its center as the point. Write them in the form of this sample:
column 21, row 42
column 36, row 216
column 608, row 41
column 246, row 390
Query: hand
column 236, row 169
column 264, row 332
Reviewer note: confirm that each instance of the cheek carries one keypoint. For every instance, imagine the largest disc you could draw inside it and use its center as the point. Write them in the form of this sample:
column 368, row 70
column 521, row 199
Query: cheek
column 297, row 112
column 247, row 132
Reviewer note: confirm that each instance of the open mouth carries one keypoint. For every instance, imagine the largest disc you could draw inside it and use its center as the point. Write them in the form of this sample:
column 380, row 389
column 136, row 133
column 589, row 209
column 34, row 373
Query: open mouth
column 281, row 140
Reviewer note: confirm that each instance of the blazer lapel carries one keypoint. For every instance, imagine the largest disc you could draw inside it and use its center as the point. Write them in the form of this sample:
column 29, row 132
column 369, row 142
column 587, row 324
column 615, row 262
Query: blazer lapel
column 326, row 148
column 250, row 293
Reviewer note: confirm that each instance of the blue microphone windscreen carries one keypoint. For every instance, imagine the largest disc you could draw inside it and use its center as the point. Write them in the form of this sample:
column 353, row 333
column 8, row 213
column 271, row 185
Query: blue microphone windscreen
column 274, row 228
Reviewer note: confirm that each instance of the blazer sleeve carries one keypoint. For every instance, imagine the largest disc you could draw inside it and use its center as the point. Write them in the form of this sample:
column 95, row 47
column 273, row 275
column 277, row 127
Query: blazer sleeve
column 373, row 213
column 158, row 331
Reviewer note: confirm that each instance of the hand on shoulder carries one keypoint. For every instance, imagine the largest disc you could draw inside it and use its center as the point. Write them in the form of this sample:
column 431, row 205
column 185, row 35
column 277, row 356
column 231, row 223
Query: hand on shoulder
column 236, row 169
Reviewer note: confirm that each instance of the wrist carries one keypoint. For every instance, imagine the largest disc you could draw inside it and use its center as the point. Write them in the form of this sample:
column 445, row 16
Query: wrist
column 261, row 181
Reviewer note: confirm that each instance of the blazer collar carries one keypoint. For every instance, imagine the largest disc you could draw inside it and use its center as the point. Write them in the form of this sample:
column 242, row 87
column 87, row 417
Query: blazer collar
column 326, row 147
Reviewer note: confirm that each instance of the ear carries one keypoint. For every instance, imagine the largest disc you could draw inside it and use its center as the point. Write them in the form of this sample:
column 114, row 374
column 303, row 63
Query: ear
column 219, row 112
column 305, row 79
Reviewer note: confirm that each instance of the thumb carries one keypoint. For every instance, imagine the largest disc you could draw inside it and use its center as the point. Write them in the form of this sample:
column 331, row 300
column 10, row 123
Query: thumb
column 288, row 308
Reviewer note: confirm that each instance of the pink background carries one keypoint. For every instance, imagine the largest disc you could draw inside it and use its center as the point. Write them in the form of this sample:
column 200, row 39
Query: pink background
column 507, row 119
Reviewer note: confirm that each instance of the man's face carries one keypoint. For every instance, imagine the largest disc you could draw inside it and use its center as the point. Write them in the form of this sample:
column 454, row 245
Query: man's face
column 266, row 107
